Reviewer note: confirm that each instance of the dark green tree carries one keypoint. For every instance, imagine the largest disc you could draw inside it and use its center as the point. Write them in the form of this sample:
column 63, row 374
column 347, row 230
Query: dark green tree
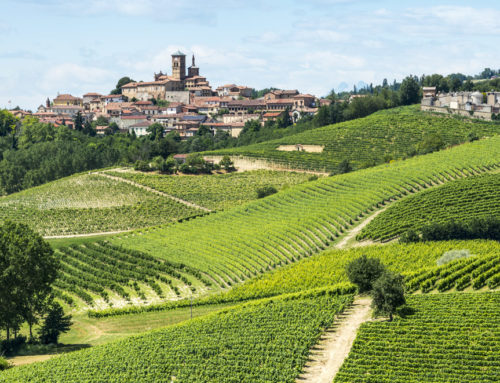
column 155, row 131
column 344, row 167
column 364, row 271
column 409, row 91
column 78, row 120
column 28, row 268
column 54, row 324
column 123, row 81
column 226, row 163
column 388, row 293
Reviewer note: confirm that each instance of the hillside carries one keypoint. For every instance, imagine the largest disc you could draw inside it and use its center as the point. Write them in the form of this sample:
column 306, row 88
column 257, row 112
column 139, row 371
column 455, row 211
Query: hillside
column 90, row 203
column 237, row 244
column 461, row 200
column 450, row 338
column 380, row 137
column 261, row 341
column 217, row 191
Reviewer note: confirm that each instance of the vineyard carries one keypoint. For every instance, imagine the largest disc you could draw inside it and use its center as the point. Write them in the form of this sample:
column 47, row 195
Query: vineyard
column 238, row 244
column 328, row 268
column 475, row 272
column 262, row 341
column 102, row 275
column 462, row 200
column 450, row 338
column 382, row 136
column 89, row 203
column 218, row 191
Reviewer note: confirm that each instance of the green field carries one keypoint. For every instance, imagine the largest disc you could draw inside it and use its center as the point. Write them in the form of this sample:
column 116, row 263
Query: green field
column 462, row 200
column 384, row 135
column 90, row 203
column 218, row 191
column 101, row 275
column 328, row 267
column 262, row 341
column 450, row 338
column 240, row 243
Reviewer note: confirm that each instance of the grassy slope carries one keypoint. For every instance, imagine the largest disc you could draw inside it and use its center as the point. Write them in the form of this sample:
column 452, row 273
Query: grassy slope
column 246, row 241
column 461, row 200
column 450, row 338
column 215, row 192
column 263, row 341
column 392, row 133
column 88, row 203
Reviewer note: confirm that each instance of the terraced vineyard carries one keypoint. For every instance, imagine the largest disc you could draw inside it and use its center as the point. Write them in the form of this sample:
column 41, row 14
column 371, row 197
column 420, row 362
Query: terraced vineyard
column 243, row 242
column 103, row 275
column 387, row 134
column 460, row 274
column 89, row 203
column 218, row 191
column 262, row 341
column 462, row 200
column 450, row 338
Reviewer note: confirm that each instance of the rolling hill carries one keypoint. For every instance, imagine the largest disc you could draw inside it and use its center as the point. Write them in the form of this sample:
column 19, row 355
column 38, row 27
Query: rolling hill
column 383, row 136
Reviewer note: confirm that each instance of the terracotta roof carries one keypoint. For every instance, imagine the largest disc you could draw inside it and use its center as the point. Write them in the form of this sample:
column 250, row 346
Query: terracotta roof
column 303, row 95
column 281, row 101
column 66, row 107
column 174, row 104
column 272, row 114
column 142, row 124
column 66, row 97
column 91, row 94
column 136, row 117
column 246, row 103
column 143, row 103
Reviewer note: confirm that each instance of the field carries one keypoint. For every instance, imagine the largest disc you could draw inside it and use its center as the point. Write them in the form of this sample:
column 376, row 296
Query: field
column 462, row 200
column 450, row 338
column 240, row 243
column 101, row 275
column 218, row 191
column 262, row 341
column 328, row 267
column 382, row 136
column 89, row 203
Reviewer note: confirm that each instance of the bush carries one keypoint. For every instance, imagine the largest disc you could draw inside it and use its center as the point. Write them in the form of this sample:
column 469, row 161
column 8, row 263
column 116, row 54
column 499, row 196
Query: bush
column 363, row 271
column 12, row 345
column 313, row 178
column 264, row 191
column 409, row 236
column 4, row 364
column 142, row 166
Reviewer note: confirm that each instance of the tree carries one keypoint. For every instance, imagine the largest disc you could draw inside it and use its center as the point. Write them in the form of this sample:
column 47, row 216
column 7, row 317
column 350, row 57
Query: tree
column 364, row 271
column 388, row 293
column 29, row 267
column 264, row 191
column 409, row 91
column 344, row 167
column 226, row 163
column 54, row 324
column 120, row 83
column 78, row 120
column 155, row 131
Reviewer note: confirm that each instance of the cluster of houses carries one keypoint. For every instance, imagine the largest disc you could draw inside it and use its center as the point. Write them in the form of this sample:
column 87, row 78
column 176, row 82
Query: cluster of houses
column 182, row 102
column 469, row 104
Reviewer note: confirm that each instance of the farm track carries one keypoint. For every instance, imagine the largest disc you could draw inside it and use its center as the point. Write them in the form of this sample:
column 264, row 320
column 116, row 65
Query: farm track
column 352, row 233
column 326, row 358
column 87, row 234
column 176, row 199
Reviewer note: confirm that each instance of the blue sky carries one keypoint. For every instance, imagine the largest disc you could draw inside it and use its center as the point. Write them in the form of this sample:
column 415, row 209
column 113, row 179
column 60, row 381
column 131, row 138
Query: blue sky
column 51, row 46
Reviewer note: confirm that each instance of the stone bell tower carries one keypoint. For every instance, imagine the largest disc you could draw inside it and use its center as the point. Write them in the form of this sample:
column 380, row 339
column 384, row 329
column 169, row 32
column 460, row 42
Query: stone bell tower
column 179, row 65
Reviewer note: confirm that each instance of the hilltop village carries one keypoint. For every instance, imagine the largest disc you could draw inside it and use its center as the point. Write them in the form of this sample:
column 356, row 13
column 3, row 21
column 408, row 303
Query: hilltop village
column 181, row 102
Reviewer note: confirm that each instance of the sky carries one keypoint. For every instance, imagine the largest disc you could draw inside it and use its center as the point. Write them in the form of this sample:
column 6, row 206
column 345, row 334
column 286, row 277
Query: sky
column 55, row 46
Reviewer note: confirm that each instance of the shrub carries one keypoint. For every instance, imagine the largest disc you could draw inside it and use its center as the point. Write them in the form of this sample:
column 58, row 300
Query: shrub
column 264, row 191
column 4, row 364
column 409, row 236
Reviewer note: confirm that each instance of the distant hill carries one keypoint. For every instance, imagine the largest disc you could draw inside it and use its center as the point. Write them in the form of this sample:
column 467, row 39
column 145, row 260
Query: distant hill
column 383, row 136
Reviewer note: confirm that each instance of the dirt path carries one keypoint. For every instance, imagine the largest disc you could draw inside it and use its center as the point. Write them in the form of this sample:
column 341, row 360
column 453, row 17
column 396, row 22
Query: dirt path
column 335, row 344
column 356, row 230
column 28, row 359
column 154, row 191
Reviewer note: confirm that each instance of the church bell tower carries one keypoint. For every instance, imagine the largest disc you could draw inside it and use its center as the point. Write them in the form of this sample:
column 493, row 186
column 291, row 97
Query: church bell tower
column 179, row 65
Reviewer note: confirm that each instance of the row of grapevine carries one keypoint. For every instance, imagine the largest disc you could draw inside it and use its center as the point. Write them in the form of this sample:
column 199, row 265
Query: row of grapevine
column 238, row 244
column 382, row 136
column 262, row 341
column 450, row 338
column 218, row 191
column 475, row 272
column 115, row 274
column 325, row 269
column 461, row 200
